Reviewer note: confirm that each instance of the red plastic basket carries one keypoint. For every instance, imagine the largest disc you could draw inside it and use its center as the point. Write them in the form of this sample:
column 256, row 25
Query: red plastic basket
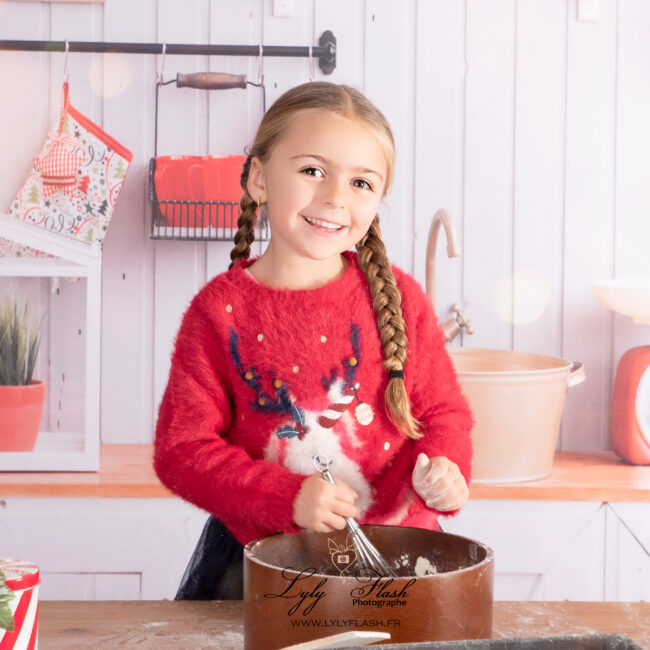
column 189, row 189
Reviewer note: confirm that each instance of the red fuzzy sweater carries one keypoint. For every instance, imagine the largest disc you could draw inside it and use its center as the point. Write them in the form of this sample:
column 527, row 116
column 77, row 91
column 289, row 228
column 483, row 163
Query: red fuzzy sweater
column 263, row 379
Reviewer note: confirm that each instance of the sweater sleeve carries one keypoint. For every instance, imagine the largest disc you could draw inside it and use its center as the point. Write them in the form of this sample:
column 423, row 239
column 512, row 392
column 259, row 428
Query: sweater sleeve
column 437, row 400
column 192, row 455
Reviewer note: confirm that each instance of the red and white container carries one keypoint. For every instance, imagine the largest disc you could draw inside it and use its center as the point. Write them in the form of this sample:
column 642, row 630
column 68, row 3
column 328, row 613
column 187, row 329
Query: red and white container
column 23, row 579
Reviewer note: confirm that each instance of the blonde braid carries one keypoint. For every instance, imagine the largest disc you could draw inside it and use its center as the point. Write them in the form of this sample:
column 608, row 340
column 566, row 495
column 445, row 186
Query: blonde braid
column 245, row 234
column 387, row 303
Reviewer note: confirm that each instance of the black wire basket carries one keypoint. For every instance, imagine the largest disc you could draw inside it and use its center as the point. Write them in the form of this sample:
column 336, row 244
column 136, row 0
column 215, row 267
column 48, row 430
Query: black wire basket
column 196, row 220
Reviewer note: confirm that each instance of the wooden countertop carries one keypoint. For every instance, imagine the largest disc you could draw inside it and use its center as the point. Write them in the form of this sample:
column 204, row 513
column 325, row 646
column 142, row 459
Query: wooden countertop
column 578, row 476
column 126, row 471
column 86, row 625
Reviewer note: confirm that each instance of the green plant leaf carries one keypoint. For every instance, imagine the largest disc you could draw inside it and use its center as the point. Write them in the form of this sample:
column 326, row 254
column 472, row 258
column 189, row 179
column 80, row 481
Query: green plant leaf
column 19, row 344
column 6, row 594
column 6, row 619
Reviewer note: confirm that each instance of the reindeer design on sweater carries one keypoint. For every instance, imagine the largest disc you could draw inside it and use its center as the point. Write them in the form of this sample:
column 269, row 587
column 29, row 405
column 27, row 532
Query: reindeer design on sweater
column 306, row 432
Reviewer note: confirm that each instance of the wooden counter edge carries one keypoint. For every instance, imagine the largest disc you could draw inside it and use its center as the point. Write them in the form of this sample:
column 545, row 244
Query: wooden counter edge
column 84, row 490
column 127, row 472
column 543, row 493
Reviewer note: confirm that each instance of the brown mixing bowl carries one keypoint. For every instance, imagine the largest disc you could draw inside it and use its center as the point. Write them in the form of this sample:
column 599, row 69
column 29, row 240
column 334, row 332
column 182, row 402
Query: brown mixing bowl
column 302, row 587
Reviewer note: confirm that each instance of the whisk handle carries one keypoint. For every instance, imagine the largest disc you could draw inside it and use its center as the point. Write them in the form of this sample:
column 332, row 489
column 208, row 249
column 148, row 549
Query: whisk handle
column 353, row 526
column 327, row 476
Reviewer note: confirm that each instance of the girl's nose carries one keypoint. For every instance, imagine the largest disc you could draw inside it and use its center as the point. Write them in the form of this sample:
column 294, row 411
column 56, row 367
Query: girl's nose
column 333, row 195
column 334, row 203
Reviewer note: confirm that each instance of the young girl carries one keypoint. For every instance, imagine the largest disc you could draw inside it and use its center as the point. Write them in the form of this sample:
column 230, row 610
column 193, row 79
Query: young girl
column 311, row 349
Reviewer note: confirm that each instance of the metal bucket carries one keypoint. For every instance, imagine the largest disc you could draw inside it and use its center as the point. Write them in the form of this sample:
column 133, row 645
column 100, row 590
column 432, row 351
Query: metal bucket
column 517, row 400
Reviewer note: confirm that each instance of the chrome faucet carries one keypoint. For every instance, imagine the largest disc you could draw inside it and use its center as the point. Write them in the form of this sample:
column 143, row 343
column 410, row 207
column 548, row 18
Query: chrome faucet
column 452, row 327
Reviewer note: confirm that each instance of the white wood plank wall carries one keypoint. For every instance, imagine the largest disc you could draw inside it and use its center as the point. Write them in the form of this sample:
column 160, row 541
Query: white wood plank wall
column 528, row 125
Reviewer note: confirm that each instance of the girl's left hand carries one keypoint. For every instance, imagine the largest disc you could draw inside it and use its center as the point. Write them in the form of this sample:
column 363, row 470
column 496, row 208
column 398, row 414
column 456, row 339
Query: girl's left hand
column 439, row 482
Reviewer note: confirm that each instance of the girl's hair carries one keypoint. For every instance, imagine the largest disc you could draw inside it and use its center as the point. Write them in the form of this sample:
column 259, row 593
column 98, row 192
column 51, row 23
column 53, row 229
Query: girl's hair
column 386, row 296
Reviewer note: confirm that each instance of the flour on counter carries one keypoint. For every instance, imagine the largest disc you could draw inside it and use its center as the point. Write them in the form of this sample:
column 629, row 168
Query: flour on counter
column 424, row 568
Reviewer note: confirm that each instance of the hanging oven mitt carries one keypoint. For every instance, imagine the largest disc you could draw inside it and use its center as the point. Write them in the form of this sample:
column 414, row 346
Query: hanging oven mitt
column 74, row 184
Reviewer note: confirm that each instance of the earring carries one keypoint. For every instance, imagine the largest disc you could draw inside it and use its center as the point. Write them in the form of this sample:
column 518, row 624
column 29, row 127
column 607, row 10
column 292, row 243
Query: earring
column 260, row 202
column 264, row 215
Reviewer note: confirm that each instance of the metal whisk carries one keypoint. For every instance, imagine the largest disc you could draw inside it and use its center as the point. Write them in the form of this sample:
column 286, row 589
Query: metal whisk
column 370, row 560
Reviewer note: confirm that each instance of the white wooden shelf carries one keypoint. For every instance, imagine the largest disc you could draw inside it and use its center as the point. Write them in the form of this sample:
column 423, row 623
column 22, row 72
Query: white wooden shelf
column 41, row 267
column 72, row 342
column 57, row 244
column 54, row 451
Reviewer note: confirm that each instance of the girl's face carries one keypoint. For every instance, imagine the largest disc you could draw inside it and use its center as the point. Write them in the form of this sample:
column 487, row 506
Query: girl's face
column 322, row 184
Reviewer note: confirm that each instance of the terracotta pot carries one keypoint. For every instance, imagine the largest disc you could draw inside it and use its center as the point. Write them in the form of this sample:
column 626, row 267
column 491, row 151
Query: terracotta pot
column 302, row 587
column 21, row 410
column 517, row 399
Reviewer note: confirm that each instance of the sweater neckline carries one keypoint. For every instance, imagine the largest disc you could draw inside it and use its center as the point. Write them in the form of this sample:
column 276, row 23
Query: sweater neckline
column 335, row 286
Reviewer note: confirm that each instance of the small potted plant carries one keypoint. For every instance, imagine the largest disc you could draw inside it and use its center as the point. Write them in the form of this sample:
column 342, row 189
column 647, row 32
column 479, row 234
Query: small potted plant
column 21, row 397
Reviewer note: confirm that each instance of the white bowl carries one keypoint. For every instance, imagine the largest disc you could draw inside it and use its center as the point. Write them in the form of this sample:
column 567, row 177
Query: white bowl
column 627, row 296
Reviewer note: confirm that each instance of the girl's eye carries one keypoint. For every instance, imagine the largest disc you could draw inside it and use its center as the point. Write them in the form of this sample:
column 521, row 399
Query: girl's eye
column 312, row 171
column 359, row 182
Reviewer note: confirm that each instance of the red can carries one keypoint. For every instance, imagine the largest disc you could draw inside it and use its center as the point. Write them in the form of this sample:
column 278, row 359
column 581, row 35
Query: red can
column 23, row 578
column 631, row 407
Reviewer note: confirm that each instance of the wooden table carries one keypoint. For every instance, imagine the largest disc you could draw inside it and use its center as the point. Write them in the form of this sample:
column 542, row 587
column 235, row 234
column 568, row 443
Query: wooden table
column 86, row 625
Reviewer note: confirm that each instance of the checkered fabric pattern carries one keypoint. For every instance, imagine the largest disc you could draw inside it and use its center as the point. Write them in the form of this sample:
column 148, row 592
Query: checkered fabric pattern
column 58, row 166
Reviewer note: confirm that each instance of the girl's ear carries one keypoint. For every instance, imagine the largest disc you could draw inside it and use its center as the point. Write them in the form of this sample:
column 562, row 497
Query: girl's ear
column 256, row 184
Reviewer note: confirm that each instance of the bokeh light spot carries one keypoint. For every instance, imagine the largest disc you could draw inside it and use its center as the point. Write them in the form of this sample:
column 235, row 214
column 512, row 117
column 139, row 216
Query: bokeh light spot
column 523, row 297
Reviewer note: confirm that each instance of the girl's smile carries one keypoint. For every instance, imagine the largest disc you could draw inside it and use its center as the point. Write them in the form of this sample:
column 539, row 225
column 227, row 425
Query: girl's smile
column 321, row 224
column 322, row 185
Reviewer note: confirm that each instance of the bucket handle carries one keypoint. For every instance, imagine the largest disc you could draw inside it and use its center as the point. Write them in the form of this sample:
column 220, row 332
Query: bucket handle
column 576, row 374
column 210, row 80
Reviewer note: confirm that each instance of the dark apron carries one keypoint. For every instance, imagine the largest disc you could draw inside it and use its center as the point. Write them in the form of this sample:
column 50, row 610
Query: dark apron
column 216, row 568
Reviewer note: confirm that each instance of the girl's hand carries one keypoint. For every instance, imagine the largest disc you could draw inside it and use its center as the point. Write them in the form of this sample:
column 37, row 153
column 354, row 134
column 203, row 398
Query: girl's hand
column 321, row 506
column 439, row 482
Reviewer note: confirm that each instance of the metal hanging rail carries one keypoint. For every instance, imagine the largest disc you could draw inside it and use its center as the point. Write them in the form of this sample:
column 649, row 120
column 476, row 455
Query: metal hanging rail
column 325, row 51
